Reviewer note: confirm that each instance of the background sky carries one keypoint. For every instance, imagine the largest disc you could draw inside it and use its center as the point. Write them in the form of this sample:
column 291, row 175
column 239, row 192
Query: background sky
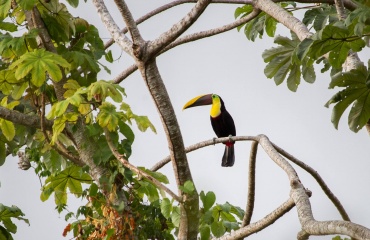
column 232, row 67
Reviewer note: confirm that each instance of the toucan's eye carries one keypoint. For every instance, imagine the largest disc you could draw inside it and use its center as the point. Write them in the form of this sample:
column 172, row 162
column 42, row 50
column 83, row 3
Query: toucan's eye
column 213, row 95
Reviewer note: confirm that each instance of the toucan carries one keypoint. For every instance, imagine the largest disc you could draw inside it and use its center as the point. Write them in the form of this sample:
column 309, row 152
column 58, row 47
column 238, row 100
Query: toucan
column 221, row 120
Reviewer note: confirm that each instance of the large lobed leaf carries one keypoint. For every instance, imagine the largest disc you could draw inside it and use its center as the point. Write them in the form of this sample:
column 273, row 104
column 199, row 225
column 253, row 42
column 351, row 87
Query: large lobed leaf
column 283, row 63
column 6, row 215
column 357, row 92
column 71, row 178
column 37, row 63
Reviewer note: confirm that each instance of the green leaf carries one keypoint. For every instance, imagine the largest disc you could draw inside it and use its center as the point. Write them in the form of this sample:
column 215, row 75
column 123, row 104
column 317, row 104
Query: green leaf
column 218, row 229
column 357, row 91
column 73, row 3
column 60, row 23
column 320, row 17
column 10, row 27
column 188, row 187
column 7, row 128
column 27, row 4
column 37, row 63
column 4, row 234
column 336, row 39
column 360, row 112
column 230, row 225
column 357, row 20
column 58, row 109
column 294, row 78
column 176, row 216
column 18, row 90
column 4, row 8
column 109, row 56
column 256, row 27
column 287, row 60
column 149, row 190
column 166, row 208
column 71, row 178
column 6, row 215
column 126, row 131
column 207, row 199
column 237, row 211
column 108, row 117
column 143, row 123
column 205, row 232
column 103, row 89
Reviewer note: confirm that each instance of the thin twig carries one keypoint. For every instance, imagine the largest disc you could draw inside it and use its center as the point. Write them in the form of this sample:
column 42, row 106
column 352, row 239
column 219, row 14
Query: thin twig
column 135, row 169
column 191, row 38
column 319, row 180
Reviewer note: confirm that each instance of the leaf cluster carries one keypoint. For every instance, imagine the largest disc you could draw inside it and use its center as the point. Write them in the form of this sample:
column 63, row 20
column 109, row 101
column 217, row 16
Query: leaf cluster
column 7, row 227
column 332, row 42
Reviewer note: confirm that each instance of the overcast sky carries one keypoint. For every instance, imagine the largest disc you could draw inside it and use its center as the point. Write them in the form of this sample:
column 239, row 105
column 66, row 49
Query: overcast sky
column 232, row 67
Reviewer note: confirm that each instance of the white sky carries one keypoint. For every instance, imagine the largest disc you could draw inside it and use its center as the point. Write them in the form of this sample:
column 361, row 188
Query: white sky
column 232, row 67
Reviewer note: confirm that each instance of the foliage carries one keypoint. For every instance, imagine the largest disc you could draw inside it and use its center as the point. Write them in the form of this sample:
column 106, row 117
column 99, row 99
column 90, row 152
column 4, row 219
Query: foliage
column 49, row 73
column 357, row 92
column 30, row 72
column 7, row 227
column 333, row 40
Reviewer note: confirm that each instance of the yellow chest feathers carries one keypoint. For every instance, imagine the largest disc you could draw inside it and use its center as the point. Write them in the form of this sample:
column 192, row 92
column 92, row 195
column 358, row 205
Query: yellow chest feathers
column 216, row 107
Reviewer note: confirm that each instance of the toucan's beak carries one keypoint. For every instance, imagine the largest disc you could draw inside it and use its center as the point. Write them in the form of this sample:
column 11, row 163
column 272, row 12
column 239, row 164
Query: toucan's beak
column 199, row 101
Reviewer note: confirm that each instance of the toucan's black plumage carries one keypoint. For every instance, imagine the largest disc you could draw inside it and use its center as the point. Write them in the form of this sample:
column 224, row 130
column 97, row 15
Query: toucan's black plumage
column 222, row 123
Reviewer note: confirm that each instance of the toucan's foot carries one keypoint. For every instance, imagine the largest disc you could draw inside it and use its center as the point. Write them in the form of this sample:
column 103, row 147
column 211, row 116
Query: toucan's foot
column 230, row 136
column 214, row 141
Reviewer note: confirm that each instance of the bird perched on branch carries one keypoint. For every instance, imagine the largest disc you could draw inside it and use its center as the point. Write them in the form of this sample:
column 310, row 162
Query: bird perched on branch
column 222, row 123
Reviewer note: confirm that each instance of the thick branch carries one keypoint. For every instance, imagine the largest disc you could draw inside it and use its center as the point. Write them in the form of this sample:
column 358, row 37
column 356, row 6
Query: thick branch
column 282, row 16
column 261, row 224
column 129, row 20
column 319, row 180
column 177, row 29
column 313, row 227
column 251, row 184
column 298, row 194
column 120, row 38
column 16, row 117
column 189, row 209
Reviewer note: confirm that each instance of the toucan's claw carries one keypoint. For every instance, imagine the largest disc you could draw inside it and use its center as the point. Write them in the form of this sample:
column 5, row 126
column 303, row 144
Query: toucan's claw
column 214, row 141
column 230, row 138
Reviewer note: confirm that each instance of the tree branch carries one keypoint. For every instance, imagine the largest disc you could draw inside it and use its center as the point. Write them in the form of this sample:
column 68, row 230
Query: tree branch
column 261, row 224
column 120, row 38
column 190, row 38
column 130, row 22
column 177, row 29
column 128, row 165
column 282, row 16
column 298, row 194
column 319, row 180
column 168, row 6
column 214, row 31
column 251, row 185
column 16, row 117
column 203, row 144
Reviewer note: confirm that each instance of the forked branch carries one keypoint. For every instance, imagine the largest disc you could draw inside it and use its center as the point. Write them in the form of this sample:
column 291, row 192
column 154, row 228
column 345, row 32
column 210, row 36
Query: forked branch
column 299, row 195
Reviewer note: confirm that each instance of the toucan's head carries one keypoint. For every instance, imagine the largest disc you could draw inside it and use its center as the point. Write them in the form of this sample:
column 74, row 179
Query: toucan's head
column 207, row 99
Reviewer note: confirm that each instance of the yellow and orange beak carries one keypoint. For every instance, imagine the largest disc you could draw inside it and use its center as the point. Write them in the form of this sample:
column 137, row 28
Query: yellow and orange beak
column 199, row 101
